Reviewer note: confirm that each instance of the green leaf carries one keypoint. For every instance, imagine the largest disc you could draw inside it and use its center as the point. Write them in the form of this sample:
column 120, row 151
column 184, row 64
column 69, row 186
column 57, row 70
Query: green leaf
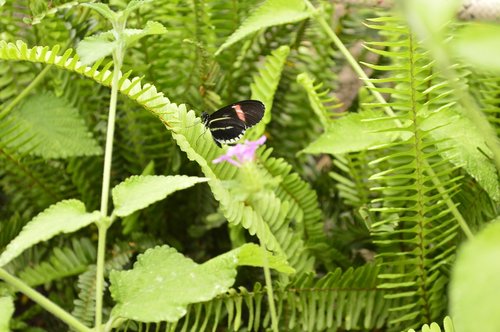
column 477, row 44
column 354, row 132
column 64, row 217
column 140, row 191
column 133, row 5
column 252, row 255
column 102, row 9
column 464, row 145
column 475, row 283
column 163, row 282
column 264, row 86
column 151, row 28
column 6, row 312
column 96, row 47
column 272, row 12
column 428, row 17
column 49, row 127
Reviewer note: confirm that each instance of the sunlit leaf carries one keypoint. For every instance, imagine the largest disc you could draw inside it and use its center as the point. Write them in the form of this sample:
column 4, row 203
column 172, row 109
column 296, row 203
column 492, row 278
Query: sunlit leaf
column 6, row 311
column 475, row 283
column 163, row 282
column 96, row 47
column 477, row 44
column 354, row 133
column 463, row 145
column 140, row 191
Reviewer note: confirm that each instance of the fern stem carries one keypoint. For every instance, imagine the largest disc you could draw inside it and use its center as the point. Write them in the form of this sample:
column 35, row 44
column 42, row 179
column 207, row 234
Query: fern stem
column 388, row 110
column 43, row 301
column 270, row 293
column 24, row 93
column 350, row 59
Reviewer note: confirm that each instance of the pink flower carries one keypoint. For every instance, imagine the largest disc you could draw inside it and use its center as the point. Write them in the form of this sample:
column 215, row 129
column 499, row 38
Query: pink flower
column 241, row 153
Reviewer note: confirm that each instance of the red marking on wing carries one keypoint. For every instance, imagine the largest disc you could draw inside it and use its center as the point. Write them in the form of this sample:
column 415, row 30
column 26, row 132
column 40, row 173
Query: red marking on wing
column 239, row 112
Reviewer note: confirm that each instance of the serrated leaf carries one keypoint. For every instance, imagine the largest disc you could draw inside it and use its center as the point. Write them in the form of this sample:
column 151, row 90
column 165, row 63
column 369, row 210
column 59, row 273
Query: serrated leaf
column 163, row 282
column 140, row 191
column 64, row 217
column 475, row 280
column 353, row 133
column 477, row 44
column 151, row 28
column 6, row 312
column 464, row 145
column 134, row 4
column 252, row 255
column 102, row 9
column 272, row 12
column 49, row 127
column 96, row 47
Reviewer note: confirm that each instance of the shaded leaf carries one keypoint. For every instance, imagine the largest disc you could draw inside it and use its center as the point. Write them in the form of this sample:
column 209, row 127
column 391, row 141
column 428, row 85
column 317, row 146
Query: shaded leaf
column 49, row 127
column 64, row 217
column 140, row 191
column 272, row 12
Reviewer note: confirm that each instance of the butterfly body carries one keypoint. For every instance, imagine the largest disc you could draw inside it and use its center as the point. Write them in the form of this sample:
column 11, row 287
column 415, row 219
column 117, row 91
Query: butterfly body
column 228, row 124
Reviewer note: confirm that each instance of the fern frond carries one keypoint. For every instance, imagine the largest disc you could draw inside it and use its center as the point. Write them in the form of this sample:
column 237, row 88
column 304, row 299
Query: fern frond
column 322, row 104
column 62, row 262
column 434, row 327
column 84, row 305
column 415, row 229
column 346, row 300
column 265, row 84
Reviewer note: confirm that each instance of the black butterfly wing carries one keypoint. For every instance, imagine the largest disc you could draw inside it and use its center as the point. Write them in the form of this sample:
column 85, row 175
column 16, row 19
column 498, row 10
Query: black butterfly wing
column 248, row 111
column 253, row 110
column 226, row 129
column 229, row 123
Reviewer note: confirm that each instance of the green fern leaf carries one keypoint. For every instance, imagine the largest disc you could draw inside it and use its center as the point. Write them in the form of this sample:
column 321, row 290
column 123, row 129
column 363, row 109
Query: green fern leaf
column 84, row 305
column 272, row 12
column 264, row 86
column 434, row 327
column 49, row 127
column 62, row 262
column 321, row 105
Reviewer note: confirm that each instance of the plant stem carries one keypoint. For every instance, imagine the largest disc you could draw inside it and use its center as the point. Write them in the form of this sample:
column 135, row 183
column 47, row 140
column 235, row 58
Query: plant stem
column 43, row 301
column 105, row 222
column 388, row 110
column 270, row 293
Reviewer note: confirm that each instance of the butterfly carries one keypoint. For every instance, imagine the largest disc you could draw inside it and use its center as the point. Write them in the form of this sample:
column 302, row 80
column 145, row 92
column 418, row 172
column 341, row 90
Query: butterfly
column 228, row 124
